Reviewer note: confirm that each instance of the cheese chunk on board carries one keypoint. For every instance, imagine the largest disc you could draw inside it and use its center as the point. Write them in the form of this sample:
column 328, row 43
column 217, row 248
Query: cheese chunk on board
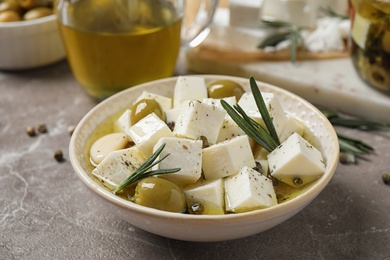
column 248, row 190
column 296, row 162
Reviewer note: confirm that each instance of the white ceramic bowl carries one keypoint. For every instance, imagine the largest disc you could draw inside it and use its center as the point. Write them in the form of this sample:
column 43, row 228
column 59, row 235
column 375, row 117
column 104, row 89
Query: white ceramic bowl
column 204, row 227
column 30, row 44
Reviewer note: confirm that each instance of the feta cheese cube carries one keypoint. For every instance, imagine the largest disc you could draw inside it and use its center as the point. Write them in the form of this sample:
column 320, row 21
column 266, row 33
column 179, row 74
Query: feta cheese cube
column 208, row 194
column 123, row 123
column 146, row 133
column 227, row 158
column 197, row 119
column 260, row 155
column 185, row 154
column 165, row 102
column 217, row 102
column 172, row 114
column 189, row 88
column 275, row 110
column 293, row 125
column 248, row 190
column 118, row 165
column 296, row 158
column 229, row 130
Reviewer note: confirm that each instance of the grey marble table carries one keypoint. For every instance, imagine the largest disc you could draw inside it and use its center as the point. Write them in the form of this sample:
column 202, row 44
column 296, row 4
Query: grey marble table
column 47, row 213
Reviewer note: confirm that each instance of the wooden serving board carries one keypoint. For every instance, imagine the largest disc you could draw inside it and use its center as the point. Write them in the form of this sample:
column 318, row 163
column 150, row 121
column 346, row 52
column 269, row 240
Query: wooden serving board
column 324, row 79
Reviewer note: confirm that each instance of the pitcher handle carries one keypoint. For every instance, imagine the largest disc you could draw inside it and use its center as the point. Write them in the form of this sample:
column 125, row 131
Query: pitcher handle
column 197, row 19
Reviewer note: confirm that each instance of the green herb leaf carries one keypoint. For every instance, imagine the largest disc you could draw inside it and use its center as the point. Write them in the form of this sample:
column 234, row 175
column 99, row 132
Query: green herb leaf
column 269, row 140
column 263, row 110
column 328, row 11
column 290, row 32
column 143, row 171
column 274, row 39
column 353, row 122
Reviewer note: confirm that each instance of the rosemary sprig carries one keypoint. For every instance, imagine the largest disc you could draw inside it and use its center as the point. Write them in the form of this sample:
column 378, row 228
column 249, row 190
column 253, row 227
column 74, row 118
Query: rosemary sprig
column 353, row 122
column 267, row 139
column 143, row 171
column 285, row 31
column 328, row 11
column 350, row 148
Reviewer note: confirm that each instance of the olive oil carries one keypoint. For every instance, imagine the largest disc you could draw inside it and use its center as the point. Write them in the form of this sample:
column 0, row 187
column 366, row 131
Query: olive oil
column 284, row 192
column 371, row 41
column 110, row 48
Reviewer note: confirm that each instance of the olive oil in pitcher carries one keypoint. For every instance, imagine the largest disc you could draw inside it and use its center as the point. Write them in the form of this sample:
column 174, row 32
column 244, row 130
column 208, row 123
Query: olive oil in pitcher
column 112, row 45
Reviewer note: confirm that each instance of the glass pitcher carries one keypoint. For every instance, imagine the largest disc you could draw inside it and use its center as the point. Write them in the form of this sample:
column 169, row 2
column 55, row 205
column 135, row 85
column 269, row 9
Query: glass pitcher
column 115, row 44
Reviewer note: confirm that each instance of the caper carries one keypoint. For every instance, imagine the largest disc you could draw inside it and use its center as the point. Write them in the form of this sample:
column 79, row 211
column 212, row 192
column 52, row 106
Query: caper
column 225, row 88
column 297, row 181
column 159, row 193
column 144, row 107
column 37, row 12
column 9, row 16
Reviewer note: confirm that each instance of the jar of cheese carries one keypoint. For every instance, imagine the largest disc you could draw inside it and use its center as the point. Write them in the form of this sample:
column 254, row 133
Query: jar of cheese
column 370, row 39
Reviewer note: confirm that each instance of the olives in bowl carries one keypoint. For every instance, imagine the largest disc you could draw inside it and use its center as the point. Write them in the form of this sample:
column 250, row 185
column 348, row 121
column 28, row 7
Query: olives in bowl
column 198, row 227
column 29, row 36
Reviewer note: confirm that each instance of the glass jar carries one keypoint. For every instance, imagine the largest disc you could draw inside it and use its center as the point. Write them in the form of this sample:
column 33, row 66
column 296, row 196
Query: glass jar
column 370, row 41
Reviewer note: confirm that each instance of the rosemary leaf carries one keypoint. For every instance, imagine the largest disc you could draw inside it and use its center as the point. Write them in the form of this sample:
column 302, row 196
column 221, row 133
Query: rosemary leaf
column 354, row 146
column 274, row 39
column 143, row 171
column 269, row 140
column 328, row 11
column 246, row 126
column 353, row 122
column 263, row 110
column 275, row 24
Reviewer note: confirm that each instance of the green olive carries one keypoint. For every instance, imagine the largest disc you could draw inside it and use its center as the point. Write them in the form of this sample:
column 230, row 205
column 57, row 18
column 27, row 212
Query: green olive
column 9, row 5
column 159, row 193
column 29, row 4
column 225, row 88
column 9, row 16
column 144, row 107
column 37, row 12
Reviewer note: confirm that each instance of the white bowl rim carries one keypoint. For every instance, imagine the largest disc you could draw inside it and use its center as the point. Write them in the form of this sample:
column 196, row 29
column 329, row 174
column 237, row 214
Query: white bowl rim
column 27, row 23
column 254, row 215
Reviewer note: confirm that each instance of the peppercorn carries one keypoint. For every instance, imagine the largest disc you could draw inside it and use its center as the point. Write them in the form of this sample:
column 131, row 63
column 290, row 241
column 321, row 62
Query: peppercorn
column 58, row 155
column 42, row 128
column 71, row 129
column 386, row 178
column 30, row 130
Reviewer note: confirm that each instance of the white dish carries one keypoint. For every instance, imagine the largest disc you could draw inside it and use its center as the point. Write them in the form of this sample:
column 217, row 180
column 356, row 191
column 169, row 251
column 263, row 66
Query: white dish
column 30, row 44
column 204, row 227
